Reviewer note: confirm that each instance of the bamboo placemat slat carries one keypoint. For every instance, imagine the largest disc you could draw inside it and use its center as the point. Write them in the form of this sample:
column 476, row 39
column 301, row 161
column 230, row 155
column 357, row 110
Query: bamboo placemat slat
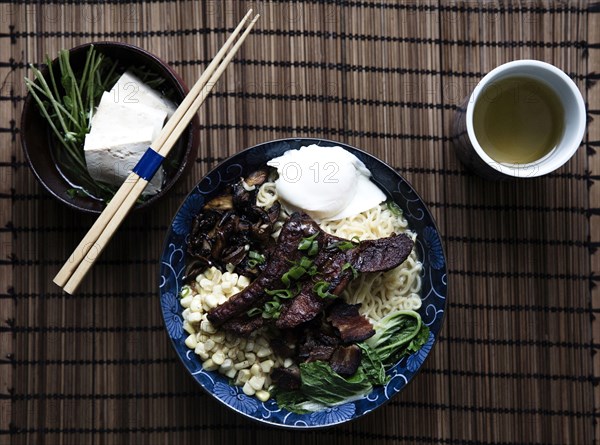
column 515, row 362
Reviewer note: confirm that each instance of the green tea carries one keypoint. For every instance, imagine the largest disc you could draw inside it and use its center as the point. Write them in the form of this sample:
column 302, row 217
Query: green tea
column 518, row 120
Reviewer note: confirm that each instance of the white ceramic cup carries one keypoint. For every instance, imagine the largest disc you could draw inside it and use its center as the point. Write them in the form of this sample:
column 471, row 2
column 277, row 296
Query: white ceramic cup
column 474, row 156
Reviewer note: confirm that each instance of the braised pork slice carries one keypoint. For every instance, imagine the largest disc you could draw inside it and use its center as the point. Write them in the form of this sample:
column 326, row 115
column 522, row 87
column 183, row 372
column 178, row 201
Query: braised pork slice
column 383, row 254
column 346, row 360
column 352, row 326
column 297, row 227
column 243, row 325
column 318, row 341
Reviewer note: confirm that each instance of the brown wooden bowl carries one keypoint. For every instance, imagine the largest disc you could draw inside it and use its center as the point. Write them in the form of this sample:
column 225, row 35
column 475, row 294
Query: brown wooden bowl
column 36, row 136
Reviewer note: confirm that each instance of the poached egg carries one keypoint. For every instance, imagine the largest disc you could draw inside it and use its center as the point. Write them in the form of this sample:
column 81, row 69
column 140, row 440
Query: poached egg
column 328, row 183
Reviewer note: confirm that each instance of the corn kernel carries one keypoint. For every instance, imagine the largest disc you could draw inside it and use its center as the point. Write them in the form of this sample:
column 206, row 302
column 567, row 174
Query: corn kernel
column 209, row 344
column 255, row 369
column 195, row 317
column 210, row 301
column 206, row 284
column 241, row 356
column 264, row 352
column 248, row 389
column 206, row 326
column 217, row 290
column 243, row 281
column 226, row 286
column 186, row 301
column 218, row 338
column 235, row 342
column 251, row 357
column 209, row 365
column 242, row 377
column 256, row 382
column 242, row 365
column 187, row 327
column 231, row 373
column 266, row 366
column 191, row 341
column 262, row 395
column 227, row 364
column 249, row 346
column 218, row 357
column 287, row 363
column 196, row 305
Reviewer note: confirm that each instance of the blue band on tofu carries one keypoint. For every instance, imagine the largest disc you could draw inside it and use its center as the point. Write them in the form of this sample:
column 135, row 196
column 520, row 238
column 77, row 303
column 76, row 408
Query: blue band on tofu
column 148, row 164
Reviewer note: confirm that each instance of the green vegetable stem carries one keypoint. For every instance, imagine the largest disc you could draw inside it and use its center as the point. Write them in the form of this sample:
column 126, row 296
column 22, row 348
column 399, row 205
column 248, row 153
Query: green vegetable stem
column 398, row 334
column 68, row 104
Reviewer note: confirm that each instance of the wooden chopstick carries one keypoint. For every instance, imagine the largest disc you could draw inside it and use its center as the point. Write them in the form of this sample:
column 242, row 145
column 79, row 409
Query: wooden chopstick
column 94, row 242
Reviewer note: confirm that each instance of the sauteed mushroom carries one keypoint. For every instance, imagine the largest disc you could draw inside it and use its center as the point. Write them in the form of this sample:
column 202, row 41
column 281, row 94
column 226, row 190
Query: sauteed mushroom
column 231, row 225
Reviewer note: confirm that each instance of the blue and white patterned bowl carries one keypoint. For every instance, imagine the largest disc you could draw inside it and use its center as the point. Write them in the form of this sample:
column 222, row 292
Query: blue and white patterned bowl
column 172, row 266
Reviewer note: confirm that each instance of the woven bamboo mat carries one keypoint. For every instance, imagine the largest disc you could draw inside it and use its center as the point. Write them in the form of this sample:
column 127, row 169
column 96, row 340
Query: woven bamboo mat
column 515, row 362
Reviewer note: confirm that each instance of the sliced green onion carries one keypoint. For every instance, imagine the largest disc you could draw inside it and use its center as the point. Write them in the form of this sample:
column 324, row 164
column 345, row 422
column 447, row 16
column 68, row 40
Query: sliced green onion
column 347, row 266
column 322, row 289
column 254, row 311
column 394, row 208
column 296, row 272
column 305, row 262
column 271, row 309
column 341, row 245
column 314, row 248
column 305, row 243
column 260, row 259
column 280, row 293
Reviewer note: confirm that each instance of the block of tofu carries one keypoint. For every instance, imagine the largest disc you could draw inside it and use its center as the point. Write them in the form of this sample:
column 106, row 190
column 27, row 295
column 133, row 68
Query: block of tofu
column 129, row 89
column 119, row 136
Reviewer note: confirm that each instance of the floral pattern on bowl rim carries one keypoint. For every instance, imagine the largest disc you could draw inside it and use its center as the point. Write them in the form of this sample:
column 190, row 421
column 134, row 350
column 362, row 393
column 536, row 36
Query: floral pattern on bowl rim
column 433, row 293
